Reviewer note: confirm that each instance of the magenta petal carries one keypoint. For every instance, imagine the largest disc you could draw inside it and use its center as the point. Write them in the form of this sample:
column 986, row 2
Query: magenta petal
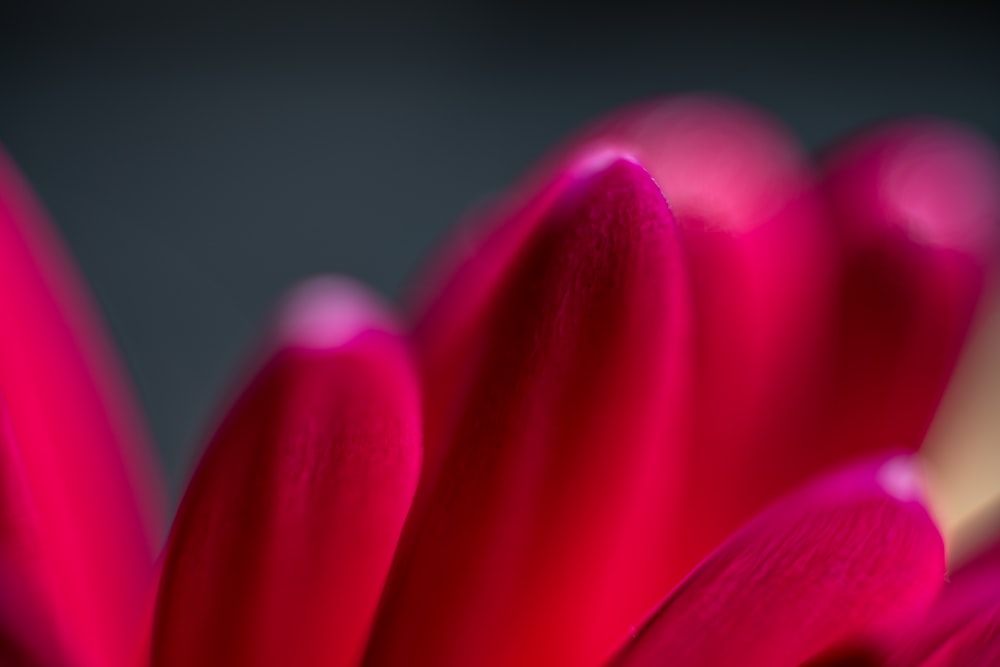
column 839, row 559
column 917, row 210
column 761, row 268
column 452, row 301
column 29, row 621
column 282, row 542
column 86, row 465
column 963, row 628
column 545, row 531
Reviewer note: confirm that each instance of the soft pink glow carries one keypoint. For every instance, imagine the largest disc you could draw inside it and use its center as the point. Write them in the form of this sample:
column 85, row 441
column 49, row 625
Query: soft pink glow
column 327, row 312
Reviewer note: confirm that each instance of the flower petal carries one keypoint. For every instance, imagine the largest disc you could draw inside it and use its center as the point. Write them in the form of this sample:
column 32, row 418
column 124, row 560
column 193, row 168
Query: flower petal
column 282, row 542
column 545, row 530
column 761, row 276
column 852, row 553
column 917, row 208
column 452, row 302
column 87, row 469
column 30, row 633
column 963, row 626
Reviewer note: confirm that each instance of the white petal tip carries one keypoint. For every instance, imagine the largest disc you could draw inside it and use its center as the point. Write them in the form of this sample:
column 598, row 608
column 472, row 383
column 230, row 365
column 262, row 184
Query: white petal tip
column 329, row 311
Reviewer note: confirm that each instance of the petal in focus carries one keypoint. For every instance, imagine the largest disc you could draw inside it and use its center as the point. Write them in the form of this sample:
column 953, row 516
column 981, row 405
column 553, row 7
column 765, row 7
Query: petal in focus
column 846, row 556
column 452, row 301
column 760, row 274
column 85, row 465
column 544, row 531
column 761, row 267
column 284, row 537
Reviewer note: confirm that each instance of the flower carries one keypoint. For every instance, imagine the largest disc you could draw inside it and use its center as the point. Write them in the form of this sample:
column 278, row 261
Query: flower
column 661, row 404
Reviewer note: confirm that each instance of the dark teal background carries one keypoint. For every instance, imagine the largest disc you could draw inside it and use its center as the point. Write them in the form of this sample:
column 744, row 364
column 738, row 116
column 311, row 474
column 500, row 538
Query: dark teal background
column 200, row 157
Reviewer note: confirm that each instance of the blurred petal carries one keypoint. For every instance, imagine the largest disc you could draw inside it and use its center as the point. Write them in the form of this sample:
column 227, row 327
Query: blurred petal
column 29, row 631
column 545, row 531
column 963, row 630
column 963, row 626
column 86, row 465
column 852, row 553
column 27, row 634
column 987, row 557
column 917, row 208
column 143, row 641
column 286, row 532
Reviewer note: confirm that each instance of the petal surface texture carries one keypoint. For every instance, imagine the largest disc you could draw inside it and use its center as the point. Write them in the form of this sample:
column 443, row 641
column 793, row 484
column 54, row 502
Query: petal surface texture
column 83, row 462
column 761, row 267
column 541, row 536
column 846, row 555
column 760, row 274
column 285, row 535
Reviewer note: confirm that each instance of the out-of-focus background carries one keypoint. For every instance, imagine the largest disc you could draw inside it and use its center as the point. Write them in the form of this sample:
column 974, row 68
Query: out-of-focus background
column 200, row 157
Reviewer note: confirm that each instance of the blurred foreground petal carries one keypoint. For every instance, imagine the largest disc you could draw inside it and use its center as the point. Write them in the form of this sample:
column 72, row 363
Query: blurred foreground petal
column 29, row 632
column 545, row 532
column 86, row 466
column 284, row 537
column 850, row 554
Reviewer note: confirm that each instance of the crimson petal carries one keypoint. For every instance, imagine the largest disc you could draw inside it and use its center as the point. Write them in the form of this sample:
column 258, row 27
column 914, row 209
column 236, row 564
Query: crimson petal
column 286, row 532
column 87, row 469
column 545, row 529
column 916, row 208
column 844, row 557
column 963, row 626
column 761, row 269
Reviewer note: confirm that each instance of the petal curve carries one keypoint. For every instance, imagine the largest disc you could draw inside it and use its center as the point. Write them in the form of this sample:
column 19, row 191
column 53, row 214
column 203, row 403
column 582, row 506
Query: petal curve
column 540, row 535
column 283, row 540
column 852, row 553
column 87, row 466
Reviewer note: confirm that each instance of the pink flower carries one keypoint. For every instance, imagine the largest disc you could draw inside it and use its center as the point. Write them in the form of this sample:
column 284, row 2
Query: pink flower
column 659, row 405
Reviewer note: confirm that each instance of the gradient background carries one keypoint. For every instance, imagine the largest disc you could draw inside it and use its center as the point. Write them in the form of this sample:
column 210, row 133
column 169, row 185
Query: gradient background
column 201, row 157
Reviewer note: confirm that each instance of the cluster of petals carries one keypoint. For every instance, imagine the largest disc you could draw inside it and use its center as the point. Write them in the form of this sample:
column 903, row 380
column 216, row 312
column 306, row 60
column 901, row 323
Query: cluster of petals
column 661, row 404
